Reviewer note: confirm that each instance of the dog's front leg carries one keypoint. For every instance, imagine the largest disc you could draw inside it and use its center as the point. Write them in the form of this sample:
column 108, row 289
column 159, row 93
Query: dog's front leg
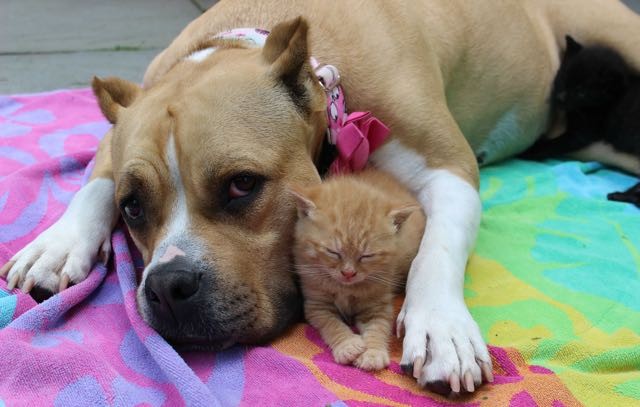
column 65, row 252
column 443, row 347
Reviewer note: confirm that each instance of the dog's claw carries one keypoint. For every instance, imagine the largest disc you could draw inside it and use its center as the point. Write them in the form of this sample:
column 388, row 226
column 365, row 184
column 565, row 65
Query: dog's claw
column 28, row 285
column 64, row 281
column 13, row 282
column 5, row 269
column 105, row 252
column 454, row 383
column 417, row 367
column 487, row 371
column 399, row 329
column 468, row 382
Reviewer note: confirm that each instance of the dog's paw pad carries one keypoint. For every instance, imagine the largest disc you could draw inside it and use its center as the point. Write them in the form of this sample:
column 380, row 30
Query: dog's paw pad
column 439, row 386
column 407, row 368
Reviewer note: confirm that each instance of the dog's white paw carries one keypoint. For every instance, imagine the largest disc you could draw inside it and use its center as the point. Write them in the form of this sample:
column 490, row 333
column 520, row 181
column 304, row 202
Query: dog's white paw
column 373, row 359
column 65, row 252
column 443, row 348
column 349, row 349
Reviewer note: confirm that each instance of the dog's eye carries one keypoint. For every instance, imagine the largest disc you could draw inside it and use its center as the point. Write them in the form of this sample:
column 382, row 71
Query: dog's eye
column 242, row 186
column 241, row 190
column 133, row 212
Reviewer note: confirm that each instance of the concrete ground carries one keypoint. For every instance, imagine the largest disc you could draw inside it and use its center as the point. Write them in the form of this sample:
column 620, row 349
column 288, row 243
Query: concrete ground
column 55, row 44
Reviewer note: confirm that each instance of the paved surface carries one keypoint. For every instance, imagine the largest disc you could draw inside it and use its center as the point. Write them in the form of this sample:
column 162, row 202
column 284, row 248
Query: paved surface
column 55, row 44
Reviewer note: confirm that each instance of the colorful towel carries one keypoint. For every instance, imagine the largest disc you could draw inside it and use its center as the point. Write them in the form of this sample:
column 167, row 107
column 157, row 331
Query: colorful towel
column 554, row 286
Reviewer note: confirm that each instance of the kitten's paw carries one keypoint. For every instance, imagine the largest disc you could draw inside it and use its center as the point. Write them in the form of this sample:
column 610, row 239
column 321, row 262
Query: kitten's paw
column 348, row 350
column 455, row 357
column 373, row 359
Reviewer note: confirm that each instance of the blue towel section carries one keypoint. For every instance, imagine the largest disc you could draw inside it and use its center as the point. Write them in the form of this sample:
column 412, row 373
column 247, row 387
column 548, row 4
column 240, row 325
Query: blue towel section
column 8, row 303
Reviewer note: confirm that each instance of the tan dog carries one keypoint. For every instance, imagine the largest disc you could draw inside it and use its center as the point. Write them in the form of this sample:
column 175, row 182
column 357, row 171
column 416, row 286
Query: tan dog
column 199, row 159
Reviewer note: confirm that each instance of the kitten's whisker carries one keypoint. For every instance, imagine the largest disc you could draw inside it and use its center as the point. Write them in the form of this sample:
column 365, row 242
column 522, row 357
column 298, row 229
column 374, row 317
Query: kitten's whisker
column 310, row 270
column 392, row 286
column 310, row 266
column 385, row 279
column 388, row 281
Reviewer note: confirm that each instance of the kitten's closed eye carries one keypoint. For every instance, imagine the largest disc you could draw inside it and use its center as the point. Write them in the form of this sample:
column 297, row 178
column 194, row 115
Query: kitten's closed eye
column 333, row 253
column 365, row 257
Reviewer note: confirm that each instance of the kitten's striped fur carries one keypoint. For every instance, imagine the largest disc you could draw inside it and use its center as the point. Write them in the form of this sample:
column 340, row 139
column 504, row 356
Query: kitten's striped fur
column 367, row 224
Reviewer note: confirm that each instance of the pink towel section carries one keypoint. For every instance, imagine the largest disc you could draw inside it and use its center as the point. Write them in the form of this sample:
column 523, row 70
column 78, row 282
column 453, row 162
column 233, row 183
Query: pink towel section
column 46, row 142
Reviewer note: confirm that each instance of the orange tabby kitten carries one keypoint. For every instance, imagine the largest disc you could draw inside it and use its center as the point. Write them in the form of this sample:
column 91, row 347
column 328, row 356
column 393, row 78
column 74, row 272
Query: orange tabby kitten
column 354, row 242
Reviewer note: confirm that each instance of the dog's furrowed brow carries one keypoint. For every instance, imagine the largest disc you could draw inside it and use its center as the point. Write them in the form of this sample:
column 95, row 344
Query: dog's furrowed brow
column 130, row 184
column 140, row 177
column 229, row 165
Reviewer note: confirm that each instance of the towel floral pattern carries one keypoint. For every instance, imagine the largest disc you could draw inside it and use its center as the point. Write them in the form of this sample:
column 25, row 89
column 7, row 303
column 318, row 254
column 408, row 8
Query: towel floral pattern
column 553, row 284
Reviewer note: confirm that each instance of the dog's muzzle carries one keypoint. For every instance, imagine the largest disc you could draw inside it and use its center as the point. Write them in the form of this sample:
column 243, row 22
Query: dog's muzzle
column 189, row 305
column 173, row 291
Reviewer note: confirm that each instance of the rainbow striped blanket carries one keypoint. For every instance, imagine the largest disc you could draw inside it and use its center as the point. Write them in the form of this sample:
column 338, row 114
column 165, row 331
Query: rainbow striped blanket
column 554, row 284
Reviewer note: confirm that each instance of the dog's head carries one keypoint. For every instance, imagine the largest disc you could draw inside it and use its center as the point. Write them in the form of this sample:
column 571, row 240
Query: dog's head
column 201, row 162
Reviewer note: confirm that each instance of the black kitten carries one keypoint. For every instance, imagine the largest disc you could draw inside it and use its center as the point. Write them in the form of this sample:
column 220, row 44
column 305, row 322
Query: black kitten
column 600, row 96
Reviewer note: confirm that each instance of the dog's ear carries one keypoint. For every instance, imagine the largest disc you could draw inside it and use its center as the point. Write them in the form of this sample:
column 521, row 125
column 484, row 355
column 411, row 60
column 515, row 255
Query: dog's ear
column 573, row 46
column 400, row 215
column 114, row 94
column 305, row 205
column 286, row 50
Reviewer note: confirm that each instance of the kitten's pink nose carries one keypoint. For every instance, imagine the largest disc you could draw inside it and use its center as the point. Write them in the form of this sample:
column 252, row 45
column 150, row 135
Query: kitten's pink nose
column 348, row 273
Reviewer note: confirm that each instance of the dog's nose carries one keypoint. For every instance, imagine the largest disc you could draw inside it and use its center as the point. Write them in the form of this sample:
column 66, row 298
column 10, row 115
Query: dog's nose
column 171, row 288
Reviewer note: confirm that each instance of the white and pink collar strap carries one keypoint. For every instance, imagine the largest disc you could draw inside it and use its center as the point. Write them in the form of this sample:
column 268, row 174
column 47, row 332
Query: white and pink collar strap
column 355, row 136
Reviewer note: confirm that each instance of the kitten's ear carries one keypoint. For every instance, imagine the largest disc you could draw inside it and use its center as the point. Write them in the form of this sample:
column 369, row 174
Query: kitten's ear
column 304, row 204
column 573, row 46
column 400, row 215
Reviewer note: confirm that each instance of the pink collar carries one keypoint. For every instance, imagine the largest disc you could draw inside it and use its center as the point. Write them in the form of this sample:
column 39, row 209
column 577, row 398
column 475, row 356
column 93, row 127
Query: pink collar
column 355, row 136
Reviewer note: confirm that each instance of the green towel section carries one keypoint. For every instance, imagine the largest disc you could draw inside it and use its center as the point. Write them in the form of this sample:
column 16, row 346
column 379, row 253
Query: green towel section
column 556, row 274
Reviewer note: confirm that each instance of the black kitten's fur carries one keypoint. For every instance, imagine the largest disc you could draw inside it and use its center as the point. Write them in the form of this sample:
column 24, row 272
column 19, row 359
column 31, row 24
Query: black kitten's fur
column 600, row 96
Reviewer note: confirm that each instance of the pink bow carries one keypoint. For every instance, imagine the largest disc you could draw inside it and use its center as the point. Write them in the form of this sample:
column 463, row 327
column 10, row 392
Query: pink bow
column 357, row 139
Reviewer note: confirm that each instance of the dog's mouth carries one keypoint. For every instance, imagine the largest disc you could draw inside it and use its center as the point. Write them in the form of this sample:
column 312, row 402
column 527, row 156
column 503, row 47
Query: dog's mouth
column 195, row 310
column 214, row 318
column 198, row 335
column 197, row 344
